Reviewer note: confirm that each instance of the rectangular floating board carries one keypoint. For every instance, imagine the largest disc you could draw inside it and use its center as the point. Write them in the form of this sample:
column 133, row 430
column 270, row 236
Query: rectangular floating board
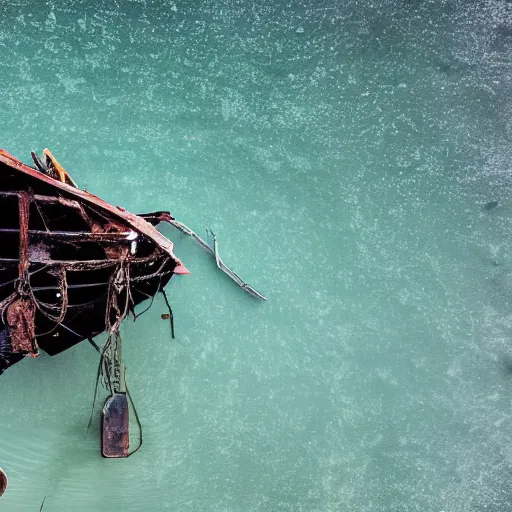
column 115, row 441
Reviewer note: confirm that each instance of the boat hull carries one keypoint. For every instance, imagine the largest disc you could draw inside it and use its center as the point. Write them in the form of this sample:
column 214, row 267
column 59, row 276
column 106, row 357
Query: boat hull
column 71, row 265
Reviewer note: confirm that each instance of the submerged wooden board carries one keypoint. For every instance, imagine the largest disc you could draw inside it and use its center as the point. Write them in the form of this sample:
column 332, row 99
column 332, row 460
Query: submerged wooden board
column 115, row 440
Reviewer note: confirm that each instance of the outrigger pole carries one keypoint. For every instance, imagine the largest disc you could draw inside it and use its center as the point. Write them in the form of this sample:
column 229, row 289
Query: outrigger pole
column 166, row 217
column 215, row 251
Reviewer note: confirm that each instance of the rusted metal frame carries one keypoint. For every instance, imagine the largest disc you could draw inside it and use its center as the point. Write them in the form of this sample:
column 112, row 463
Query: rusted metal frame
column 48, row 199
column 86, row 264
column 42, row 197
column 24, row 208
column 74, row 236
column 156, row 273
column 70, row 203
column 70, row 286
column 99, row 213
column 17, row 194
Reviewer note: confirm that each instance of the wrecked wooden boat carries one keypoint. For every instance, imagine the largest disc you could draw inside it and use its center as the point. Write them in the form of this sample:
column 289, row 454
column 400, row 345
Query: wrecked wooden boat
column 72, row 266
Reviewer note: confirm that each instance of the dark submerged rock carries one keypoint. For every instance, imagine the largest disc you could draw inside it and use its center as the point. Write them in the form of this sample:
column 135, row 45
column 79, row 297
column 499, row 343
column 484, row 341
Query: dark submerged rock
column 491, row 205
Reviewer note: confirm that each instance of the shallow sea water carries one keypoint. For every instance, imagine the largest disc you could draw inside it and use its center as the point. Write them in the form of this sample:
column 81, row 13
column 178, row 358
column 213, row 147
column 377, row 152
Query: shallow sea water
column 343, row 152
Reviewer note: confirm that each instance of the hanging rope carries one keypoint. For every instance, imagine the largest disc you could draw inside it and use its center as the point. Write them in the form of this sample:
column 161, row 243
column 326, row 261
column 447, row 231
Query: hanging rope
column 102, row 373
column 139, row 425
column 106, row 363
column 62, row 286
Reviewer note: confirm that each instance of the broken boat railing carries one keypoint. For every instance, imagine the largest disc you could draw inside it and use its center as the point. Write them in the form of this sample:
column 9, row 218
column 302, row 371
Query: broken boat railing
column 215, row 252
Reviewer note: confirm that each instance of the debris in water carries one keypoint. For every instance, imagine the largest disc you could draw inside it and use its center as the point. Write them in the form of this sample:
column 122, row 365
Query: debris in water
column 490, row 205
column 3, row 481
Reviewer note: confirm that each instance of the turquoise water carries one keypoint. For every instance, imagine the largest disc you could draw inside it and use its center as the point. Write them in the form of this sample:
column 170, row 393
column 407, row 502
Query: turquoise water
column 343, row 153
